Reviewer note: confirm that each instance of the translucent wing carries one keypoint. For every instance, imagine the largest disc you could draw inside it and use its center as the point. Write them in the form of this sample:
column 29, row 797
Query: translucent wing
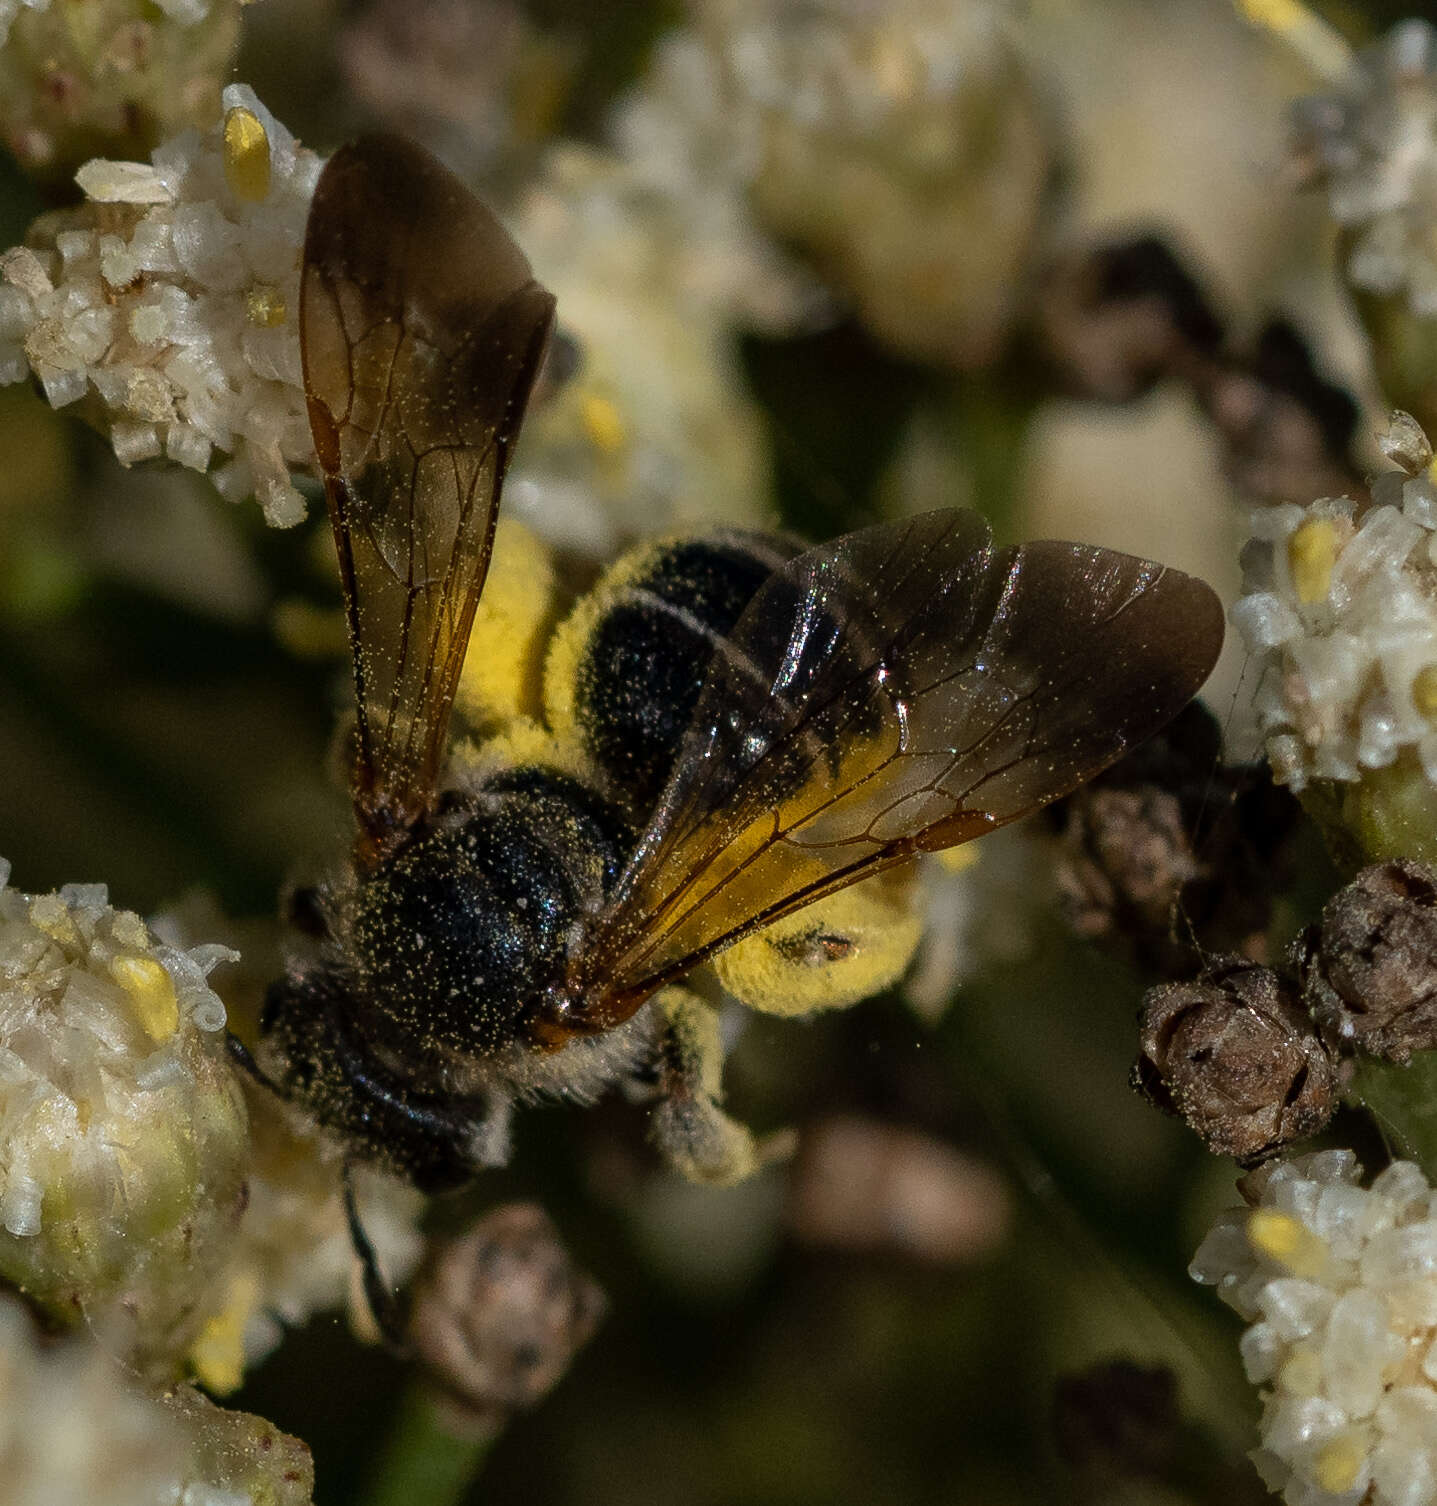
column 897, row 691
column 421, row 330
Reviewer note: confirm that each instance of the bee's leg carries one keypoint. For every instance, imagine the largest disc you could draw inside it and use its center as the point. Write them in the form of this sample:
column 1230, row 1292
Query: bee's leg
column 242, row 1057
column 384, row 1305
column 687, row 1125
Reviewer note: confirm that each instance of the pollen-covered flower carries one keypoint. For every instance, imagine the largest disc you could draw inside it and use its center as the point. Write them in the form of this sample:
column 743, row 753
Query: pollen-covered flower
column 1337, row 1281
column 123, row 1138
column 167, row 304
column 291, row 1255
column 1339, row 610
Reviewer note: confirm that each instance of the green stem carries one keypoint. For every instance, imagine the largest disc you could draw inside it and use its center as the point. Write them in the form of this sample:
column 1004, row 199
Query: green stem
column 422, row 1462
column 1403, row 1100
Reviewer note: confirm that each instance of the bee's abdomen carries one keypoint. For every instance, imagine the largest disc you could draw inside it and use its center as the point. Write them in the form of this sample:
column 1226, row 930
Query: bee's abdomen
column 646, row 639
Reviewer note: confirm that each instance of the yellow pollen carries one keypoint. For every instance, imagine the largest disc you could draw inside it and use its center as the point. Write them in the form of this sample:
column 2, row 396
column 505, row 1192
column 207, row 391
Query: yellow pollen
column 264, row 305
column 152, row 993
column 1339, row 1463
column 50, row 914
column 246, row 155
column 603, row 424
column 1287, row 1241
column 1424, row 690
column 1312, row 552
column 217, row 1355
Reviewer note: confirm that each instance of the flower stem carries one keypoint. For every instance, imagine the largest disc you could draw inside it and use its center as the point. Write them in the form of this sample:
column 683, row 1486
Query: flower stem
column 1404, row 1102
column 424, row 1462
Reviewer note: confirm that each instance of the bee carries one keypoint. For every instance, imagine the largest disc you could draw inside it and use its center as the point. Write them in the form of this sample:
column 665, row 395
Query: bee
column 737, row 729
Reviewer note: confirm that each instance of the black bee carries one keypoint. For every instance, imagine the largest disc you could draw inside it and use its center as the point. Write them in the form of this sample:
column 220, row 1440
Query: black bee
column 744, row 727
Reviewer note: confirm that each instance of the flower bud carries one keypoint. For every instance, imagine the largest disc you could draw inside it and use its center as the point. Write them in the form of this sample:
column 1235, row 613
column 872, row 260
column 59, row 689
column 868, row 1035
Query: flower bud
column 1369, row 971
column 499, row 1313
column 1233, row 1054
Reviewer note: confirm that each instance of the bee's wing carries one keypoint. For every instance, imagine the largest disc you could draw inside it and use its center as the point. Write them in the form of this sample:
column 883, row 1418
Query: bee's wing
column 421, row 330
column 897, row 691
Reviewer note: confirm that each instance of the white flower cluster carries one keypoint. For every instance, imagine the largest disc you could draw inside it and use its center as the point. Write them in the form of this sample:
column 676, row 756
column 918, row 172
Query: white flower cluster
column 169, row 303
column 1339, row 609
column 1374, row 142
column 900, row 145
column 692, row 155
column 123, row 1138
column 185, row 12
column 75, row 1429
column 654, row 431
column 1339, row 1283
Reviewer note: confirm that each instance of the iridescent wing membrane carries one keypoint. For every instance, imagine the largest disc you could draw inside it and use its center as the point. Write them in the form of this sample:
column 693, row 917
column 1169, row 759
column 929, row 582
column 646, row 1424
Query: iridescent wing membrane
column 900, row 690
column 421, row 331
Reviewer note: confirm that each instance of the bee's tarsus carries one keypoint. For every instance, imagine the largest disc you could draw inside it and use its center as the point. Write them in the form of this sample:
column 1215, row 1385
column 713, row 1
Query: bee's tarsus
column 384, row 1305
column 243, row 1058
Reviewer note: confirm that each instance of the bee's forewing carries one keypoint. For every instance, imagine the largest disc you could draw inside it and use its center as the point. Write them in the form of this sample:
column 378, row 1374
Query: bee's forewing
column 896, row 691
column 421, row 331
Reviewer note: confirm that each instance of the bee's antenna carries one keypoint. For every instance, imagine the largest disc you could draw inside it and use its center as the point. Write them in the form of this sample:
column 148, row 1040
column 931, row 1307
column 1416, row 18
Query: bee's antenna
column 384, row 1306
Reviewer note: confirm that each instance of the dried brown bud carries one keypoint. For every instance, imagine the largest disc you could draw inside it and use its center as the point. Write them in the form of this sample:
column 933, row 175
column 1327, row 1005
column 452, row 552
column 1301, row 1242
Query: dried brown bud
column 1130, row 857
column 1369, row 971
column 860, row 1184
column 1168, row 855
column 499, row 1312
column 1234, row 1054
column 1112, row 321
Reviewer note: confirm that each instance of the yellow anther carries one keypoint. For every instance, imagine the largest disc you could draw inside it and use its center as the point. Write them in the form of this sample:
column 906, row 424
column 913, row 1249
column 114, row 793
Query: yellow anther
column 603, row 424
column 152, row 993
column 217, row 1355
column 1318, row 43
column 1312, row 552
column 1424, row 690
column 246, row 155
column 1339, row 1463
column 50, row 914
column 1287, row 1241
column 264, row 305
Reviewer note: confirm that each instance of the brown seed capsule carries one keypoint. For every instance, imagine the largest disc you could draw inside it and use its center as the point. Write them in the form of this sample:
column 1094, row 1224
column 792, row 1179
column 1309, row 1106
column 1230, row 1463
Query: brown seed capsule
column 499, row 1312
column 1233, row 1054
column 1168, row 855
column 1369, row 971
